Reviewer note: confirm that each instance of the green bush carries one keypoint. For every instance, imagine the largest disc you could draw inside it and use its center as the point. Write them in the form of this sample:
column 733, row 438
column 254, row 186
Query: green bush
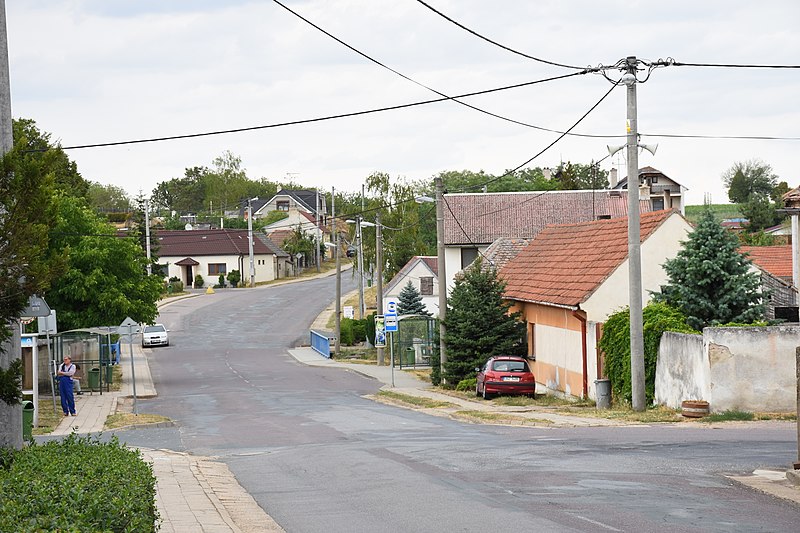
column 177, row 286
column 615, row 343
column 369, row 328
column 77, row 484
column 359, row 330
column 234, row 277
column 346, row 336
column 467, row 384
column 221, row 280
column 198, row 281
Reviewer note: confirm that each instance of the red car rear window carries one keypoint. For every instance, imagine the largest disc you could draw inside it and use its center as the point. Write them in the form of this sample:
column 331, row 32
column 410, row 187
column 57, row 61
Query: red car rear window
column 510, row 366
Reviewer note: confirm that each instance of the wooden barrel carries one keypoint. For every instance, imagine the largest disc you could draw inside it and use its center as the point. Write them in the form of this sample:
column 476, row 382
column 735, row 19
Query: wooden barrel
column 694, row 408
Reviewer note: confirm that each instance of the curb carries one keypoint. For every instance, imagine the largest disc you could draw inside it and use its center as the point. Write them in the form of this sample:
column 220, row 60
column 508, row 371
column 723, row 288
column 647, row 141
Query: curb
column 154, row 425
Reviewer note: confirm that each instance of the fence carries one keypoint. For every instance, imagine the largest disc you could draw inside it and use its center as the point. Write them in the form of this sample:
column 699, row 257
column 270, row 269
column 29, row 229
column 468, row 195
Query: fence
column 414, row 340
column 321, row 342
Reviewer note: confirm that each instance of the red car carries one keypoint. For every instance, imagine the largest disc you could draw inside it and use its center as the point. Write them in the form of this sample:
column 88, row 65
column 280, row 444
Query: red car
column 505, row 375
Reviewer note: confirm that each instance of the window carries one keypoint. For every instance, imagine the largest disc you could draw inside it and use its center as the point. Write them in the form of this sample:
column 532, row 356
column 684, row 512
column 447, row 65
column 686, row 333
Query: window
column 658, row 203
column 426, row 286
column 282, row 205
column 215, row 269
column 468, row 255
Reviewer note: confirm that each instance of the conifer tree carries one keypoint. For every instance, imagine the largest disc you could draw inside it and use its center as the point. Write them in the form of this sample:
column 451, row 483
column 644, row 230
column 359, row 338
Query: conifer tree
column 410, row 302
column 710, row 281
column 478, row 324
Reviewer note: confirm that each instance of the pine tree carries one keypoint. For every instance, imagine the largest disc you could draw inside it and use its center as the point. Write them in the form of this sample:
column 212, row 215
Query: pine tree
column 478, row 324
column 710, row 281
column 410, row 302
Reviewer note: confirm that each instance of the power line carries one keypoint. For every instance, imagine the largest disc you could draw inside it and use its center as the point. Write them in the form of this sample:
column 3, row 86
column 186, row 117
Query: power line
column 309, row 120
column 725, row 137
column 729, row 65
column 543, row 150
column 504, row 47
column 427, row 87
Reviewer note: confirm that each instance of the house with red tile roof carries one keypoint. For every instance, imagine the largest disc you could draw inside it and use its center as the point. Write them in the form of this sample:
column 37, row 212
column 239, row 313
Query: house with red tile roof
column 774, row 265
column 423, row 273
column 472, row 222
column 570, row 278
column 209, row 253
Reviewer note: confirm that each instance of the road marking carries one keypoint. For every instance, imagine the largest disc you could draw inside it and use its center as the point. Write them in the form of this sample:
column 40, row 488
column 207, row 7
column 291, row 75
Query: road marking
column 596, row 523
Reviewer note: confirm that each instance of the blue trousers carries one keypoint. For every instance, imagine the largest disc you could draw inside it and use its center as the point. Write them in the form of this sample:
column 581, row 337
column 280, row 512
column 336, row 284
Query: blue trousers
column 67, row 398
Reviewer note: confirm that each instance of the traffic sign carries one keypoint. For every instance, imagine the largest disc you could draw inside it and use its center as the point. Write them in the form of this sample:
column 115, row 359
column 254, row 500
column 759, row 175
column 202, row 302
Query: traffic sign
column 391, row 307
column 390, row 322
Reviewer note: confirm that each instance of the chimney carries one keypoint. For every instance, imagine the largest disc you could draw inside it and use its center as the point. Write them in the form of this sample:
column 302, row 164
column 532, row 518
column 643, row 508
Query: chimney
column 612, row 177
column 547, row 174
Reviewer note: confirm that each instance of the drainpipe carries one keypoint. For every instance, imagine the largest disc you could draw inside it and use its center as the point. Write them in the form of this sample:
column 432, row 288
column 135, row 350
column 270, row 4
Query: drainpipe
column 581, row 316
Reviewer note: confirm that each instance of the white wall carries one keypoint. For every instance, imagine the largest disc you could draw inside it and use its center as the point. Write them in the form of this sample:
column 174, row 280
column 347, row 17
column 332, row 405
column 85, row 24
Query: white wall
column 452, row 258
column 682, row 372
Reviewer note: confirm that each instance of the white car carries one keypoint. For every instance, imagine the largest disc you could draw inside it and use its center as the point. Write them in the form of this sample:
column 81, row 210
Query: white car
column 155, row 335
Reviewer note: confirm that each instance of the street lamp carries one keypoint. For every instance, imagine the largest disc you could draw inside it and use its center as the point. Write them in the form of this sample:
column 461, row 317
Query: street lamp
column 440, row 267
column 250, row 241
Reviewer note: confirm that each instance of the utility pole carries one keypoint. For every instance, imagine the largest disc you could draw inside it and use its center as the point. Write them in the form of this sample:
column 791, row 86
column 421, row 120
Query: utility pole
column 338, row 305
column 379, row 273
column 360, row 251
column 147, row 234
column 10, row 415
column 634, row 243
column 250, row 242
column 442, row 273
column 316, row 234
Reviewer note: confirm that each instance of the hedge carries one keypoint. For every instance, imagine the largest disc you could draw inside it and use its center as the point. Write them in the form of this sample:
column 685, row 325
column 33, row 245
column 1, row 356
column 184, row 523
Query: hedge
column 77, row 484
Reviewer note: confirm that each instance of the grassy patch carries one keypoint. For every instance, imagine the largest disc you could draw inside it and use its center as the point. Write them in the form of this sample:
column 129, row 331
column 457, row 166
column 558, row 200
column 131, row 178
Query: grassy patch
column 416, row 401
column 775, row 416
column 651, row 415
column 49, row 418
column 422, row 374
column 357, row 354
column 727, row 416
column 500, row 418
column 721, row 212
column 119, row 420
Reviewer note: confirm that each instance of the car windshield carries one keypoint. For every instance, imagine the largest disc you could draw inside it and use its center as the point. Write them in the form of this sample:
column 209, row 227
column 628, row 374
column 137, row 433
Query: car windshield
column 154, row 329
column 510, row 366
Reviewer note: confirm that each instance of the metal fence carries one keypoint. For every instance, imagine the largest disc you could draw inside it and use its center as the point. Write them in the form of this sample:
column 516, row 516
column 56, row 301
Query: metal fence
column 414, row 340
column 321, row 342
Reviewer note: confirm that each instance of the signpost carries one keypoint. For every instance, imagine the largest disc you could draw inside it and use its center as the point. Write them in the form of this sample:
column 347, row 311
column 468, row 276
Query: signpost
column 130, row 326
column 390, row 323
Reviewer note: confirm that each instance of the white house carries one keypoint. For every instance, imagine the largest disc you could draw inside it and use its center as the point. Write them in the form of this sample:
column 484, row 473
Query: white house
column 209, row 253
column 422, row 272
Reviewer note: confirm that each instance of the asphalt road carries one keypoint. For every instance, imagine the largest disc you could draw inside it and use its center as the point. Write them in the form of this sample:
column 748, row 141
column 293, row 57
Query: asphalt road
column 317, row 456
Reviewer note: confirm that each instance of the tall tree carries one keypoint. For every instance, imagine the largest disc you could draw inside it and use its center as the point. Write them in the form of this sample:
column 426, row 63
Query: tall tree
column 710, row 281
column 748, row 178
column 409, row 301
column 105, row 280
column 108, row 197
column 478, row 323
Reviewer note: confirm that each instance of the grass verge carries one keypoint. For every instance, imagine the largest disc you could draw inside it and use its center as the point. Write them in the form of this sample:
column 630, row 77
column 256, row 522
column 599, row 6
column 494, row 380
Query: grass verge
column 415, row 401
column 500, row 418
column 119, row 420
column 652, row 415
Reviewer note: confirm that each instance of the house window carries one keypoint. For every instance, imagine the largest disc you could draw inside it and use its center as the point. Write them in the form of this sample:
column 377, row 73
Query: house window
column 161, row 269
column 215, row 269
column 658, row 203
column 426, row 286
column 282, row 205
column 468, row 255
column 654, row 179
column 603, row 217
column 531, row 341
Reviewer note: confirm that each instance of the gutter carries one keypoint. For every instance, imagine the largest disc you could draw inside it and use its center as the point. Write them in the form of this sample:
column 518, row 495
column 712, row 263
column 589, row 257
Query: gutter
column 581, row 316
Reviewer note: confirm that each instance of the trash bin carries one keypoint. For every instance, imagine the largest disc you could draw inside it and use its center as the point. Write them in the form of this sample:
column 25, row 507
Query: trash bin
column 602, row 388
column 27, row 420
column 94, row 378
column 109, row 377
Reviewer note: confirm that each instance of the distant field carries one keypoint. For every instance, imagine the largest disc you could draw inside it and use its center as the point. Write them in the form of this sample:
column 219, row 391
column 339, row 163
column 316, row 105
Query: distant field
column 721, row 211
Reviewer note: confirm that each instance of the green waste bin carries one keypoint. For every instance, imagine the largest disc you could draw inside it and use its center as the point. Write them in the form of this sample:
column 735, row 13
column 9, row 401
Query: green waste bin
column 27, row 420
column 94, row 378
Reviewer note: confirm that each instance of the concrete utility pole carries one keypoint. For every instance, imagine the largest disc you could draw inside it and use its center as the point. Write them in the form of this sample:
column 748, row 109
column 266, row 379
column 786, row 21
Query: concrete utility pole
column 379, row 273
column 316, row 234
column 634, row 243
column 442, row 273
column 147, row 234
column 10, row 415
column 250, row 242
column 360, row 251
column 338, row 305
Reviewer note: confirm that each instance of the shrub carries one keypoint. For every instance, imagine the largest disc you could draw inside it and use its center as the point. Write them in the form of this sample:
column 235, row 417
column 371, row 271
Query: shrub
column 359, row 330
column 657, row 318
column 369, row 328
column 234, row 277
column 221, row 280
column 77, row 484
column 175, row 286
column 199, row 281
column 346, row 336
column 467, row 384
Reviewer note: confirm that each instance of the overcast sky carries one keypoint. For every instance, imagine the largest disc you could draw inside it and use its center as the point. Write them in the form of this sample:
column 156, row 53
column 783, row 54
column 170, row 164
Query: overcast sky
column 94, row 71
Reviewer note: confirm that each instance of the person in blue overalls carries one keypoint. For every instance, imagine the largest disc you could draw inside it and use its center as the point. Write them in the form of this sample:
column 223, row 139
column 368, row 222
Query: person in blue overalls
column 65, row 373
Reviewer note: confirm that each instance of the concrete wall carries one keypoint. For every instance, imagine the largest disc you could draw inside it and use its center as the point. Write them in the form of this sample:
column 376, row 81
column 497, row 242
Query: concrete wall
column 747, row 369
column 452, row 259
column 752, row 369
column 681, row 371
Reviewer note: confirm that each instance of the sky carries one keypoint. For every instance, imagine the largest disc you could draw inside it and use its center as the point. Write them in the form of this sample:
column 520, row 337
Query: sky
column 94, row 71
